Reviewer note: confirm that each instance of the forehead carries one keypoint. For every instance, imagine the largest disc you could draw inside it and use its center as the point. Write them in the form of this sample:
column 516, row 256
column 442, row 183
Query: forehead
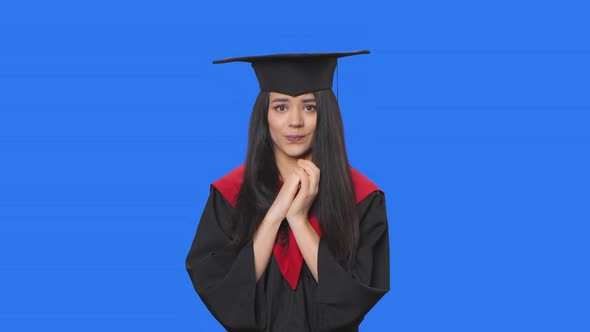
column 283, row 97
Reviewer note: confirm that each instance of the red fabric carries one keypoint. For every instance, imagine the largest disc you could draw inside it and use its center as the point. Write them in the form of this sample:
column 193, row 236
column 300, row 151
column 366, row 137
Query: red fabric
column 288, row 255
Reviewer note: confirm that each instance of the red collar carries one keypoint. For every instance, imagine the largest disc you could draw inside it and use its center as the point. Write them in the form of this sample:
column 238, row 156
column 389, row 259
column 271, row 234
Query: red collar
column 289, row 257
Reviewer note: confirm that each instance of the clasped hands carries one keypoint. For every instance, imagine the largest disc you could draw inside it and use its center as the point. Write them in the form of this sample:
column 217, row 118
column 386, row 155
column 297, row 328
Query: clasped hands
column 297, row 194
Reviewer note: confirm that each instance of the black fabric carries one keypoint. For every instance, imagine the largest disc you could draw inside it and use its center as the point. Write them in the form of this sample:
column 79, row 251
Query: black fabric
column 294, row 74
column 225, row 278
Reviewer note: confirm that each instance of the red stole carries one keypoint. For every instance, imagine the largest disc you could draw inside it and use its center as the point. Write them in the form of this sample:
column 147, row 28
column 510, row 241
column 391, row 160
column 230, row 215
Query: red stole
column 288, row 255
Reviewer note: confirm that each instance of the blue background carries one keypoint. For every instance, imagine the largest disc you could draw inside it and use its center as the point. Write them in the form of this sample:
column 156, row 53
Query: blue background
column 472, row 116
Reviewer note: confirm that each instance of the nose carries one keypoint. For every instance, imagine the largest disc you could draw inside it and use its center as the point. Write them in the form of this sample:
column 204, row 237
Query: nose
column 295, row 119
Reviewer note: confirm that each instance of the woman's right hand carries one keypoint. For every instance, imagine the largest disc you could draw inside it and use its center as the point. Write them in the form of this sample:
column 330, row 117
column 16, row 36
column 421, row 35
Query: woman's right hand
column 279, row 208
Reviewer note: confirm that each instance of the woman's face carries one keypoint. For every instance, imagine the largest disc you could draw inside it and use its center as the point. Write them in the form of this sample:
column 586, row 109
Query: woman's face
column 292, row 122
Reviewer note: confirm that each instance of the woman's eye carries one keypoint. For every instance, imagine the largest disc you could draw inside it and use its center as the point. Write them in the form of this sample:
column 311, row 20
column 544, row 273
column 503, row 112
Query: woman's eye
column 280, row 108
column 310, row 107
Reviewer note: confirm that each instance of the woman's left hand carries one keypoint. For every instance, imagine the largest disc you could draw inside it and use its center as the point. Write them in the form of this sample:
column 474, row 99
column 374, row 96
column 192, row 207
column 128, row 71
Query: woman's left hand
column 309, row 174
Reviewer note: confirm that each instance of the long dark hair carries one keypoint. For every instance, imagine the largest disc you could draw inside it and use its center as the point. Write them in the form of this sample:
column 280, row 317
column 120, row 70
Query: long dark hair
column 335, row 203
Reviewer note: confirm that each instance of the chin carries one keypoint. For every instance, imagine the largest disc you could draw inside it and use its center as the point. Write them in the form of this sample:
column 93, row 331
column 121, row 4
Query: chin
column 300, row 154
column 297, row 153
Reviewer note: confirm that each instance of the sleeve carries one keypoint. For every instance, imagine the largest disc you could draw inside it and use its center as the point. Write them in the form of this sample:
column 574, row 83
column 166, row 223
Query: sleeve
column 225, row 277
column 345, row 296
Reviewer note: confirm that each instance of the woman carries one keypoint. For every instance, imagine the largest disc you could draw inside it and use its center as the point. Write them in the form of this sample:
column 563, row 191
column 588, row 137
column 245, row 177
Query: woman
column 295, row 239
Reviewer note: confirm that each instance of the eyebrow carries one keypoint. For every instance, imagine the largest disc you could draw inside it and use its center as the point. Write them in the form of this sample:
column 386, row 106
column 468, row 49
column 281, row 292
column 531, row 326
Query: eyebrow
column 283, row 100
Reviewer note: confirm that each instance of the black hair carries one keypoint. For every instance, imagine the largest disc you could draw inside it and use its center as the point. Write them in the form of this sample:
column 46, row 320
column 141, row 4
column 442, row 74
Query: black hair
column 335, row 203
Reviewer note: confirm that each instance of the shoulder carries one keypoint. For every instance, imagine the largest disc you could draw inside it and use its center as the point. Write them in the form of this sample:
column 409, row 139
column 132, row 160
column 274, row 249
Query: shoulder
column 229, row 185
column 363, row 186
column 371, row 203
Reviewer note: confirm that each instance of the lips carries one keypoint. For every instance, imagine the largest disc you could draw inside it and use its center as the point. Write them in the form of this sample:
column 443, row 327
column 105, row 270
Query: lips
column 294, row 138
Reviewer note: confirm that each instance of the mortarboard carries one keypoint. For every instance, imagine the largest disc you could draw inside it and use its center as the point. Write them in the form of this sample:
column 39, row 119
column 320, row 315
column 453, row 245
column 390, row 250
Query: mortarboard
column 296, row 73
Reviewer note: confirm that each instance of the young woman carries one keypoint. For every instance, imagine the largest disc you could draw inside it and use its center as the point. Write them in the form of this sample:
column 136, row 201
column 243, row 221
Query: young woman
column 294, row 239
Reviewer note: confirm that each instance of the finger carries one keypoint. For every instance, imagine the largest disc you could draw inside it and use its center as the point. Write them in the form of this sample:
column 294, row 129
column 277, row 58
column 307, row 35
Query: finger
column 303, row 176
column 294, row 179
column 316, row 170
column 304, row 179
column 313, row 178
column 311, row 166
column 310, row 163
column 291, row 186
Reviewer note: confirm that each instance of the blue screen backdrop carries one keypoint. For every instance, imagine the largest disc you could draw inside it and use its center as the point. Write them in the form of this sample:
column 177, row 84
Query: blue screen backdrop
column 472, row 116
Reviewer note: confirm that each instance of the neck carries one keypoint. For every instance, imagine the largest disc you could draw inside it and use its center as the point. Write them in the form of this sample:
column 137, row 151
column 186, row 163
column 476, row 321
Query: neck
column 287, row 164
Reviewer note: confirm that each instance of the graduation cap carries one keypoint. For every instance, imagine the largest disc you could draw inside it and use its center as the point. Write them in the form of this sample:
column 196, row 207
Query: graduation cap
column 296, row 73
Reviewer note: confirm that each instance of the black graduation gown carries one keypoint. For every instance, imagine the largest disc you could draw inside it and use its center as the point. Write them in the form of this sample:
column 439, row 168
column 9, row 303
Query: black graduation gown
column 225, row 278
